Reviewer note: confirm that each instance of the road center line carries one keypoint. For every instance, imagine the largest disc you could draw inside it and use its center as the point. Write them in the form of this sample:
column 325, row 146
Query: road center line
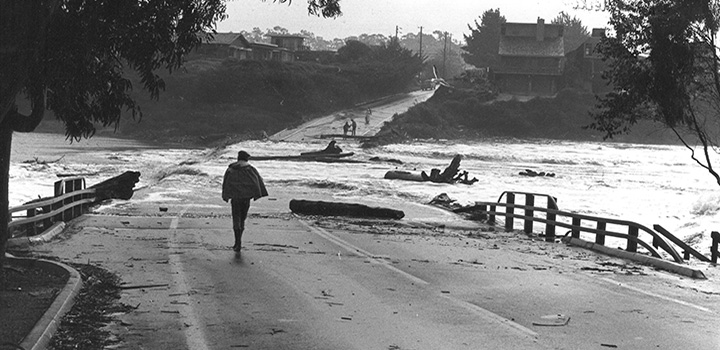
column 486, row 314
column 194, row 335
column 623, row 285
column 353, row 249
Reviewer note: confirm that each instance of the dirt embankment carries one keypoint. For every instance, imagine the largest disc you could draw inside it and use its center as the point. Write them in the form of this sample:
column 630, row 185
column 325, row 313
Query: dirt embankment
column 474, row 114
column 213, row 102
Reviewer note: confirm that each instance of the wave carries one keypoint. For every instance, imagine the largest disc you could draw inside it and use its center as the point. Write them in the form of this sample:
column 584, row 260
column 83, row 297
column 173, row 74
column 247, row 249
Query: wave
column 313, row 183
column 706, row 206
column 177, row 170
column 557, row 161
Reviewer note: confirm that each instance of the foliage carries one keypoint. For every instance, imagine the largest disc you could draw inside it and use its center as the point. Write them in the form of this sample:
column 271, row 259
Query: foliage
column 98, row 299
column 484, row 40
column 353, row 51
column 471, row 112
column 70, row 57
column 664, row 67
column 574, row 33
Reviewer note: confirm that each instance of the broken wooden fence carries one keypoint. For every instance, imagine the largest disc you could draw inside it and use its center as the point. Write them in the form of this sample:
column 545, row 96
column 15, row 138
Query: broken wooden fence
column 71, row 200
column 597, row 225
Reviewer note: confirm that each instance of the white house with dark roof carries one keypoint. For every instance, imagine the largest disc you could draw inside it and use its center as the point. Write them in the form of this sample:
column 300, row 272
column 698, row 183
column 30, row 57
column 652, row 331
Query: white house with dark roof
column 532, row 58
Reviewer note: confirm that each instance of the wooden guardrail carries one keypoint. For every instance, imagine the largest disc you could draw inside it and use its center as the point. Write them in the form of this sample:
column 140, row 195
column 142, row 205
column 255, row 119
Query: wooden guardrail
column 70, row 201
column 552, row 213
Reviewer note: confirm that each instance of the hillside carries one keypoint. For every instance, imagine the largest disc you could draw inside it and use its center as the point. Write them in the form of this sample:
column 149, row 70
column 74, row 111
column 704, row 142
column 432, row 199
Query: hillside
column 475, row 114
column 213, row 100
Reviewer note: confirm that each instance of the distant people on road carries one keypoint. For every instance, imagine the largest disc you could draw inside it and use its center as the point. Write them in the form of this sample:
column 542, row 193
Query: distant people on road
column 241, row 183
column 346, row 127
column 368, row 113
column 332, row 148
column 353, row 124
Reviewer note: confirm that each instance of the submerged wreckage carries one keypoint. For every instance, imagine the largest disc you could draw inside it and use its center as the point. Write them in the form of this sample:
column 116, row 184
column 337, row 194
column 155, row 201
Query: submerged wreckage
column 450, row 175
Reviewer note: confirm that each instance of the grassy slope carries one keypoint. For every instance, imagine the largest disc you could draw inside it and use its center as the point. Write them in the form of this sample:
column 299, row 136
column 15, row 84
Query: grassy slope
column 212, row 100
column 467, row 114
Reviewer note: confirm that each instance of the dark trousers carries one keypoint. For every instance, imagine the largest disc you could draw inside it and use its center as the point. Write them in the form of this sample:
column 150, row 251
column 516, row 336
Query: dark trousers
column 240, row 207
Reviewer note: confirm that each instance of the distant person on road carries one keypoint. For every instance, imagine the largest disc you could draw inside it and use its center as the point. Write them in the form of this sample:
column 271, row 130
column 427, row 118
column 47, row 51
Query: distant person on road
column 353, row 124
column 332, row 148
column 368, row 113
column 346, row 127
column 241, row 183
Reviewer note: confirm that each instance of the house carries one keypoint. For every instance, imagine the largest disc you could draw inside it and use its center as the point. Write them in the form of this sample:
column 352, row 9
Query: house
column 532, row 58
column 290, row 42
column 587, row 65
column 223, row 45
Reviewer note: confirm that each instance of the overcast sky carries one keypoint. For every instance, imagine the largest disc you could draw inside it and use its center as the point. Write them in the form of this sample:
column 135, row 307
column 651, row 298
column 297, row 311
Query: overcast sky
column 381, row 16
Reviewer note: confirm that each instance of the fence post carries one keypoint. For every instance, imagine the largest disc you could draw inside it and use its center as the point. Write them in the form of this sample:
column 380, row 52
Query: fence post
column 550, row 227
column 529, row 202
column 599, row 237
column 47, row 222
column 491, row 215
column 714, row 248
column 632, row 244
column 31, row 228
column 509, row 211
column 576, row 232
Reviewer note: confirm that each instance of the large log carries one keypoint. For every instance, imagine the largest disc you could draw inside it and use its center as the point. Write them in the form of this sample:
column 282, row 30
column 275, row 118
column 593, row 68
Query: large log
column 305, row 156
column 403, row 175
column 118, row 187
column 300, row 206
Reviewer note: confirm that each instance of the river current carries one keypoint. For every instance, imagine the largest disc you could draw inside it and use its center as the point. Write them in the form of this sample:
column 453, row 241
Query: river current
column 648, row 184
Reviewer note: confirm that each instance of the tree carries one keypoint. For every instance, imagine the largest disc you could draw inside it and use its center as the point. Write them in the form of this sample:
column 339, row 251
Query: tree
column 69, row 56
column 574, row 33
column 664, row 66
column 484, row 41
column 353, row 50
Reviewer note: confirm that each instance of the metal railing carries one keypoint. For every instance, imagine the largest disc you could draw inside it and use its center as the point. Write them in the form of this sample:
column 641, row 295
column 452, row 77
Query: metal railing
column 598, row 225
column 71, row 200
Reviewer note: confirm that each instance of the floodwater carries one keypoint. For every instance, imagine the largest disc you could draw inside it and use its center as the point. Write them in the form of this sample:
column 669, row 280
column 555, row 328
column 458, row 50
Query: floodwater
column 648, row 184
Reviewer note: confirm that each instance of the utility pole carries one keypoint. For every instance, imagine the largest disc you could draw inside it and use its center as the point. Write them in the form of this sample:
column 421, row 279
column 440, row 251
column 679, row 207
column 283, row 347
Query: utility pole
column 396, row 32
column 445, row 54
column 420, row 52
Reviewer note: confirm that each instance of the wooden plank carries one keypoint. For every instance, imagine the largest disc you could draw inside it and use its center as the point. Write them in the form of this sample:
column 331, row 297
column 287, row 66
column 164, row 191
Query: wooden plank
column 49, row 201
column 50, row 214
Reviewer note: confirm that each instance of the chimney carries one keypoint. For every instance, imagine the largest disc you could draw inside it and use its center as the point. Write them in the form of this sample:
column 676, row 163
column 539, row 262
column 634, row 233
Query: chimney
column 540, row 33
column 598, row 32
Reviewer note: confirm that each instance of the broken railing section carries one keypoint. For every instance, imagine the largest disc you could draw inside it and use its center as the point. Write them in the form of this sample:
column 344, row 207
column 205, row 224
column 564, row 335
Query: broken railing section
column 598, row 225
column 71, row 199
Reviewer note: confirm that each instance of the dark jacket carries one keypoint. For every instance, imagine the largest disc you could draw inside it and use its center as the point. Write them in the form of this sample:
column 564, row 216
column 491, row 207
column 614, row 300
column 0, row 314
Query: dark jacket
column 242, row 180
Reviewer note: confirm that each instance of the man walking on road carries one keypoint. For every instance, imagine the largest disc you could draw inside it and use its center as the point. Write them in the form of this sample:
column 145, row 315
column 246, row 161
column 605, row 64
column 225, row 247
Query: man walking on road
column 241, row 183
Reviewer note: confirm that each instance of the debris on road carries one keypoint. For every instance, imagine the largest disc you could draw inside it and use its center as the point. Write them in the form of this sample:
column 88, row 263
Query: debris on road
column 299, row 206
column 552, row 320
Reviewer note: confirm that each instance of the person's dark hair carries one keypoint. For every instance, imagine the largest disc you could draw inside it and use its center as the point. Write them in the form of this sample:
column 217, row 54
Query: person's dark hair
column 242, row 155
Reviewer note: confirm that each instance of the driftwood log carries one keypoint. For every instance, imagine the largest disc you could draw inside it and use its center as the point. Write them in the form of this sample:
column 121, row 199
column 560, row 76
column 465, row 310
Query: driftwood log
column 118, row 187
column 403, row 175
column 300, row 206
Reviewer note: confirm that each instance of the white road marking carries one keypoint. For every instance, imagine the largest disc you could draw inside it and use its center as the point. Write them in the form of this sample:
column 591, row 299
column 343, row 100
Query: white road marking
column 353, row 249
column 194, row 335
column 522, row 330
column 619, row 284
column 486, row 314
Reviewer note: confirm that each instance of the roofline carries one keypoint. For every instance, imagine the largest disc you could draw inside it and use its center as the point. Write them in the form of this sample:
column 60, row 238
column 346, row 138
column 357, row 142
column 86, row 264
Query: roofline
column 286, row 36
